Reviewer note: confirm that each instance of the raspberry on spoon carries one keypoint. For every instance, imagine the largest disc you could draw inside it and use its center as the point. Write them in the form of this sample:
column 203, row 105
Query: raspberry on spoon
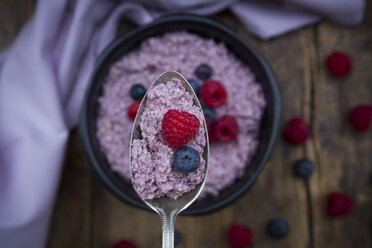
column 178, row 128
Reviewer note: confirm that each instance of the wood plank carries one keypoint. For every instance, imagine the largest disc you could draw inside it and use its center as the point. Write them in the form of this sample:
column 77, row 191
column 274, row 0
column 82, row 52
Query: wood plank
column 343, row 155
column 71, row 221
column 277, row 193
column 206, row 231
column 113, row 220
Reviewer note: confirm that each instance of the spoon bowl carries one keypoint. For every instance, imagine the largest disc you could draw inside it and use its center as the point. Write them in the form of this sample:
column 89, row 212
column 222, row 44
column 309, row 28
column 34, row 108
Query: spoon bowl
column 167, row 208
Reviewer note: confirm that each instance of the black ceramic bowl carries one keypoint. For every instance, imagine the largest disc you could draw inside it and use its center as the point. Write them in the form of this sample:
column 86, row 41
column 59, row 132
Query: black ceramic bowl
column 204, row 27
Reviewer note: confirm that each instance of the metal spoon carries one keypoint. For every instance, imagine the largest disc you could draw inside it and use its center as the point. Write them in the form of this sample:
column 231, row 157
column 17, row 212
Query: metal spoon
column 167, row 208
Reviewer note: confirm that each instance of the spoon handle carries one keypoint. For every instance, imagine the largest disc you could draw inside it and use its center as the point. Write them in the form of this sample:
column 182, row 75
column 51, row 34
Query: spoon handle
column 168, row 221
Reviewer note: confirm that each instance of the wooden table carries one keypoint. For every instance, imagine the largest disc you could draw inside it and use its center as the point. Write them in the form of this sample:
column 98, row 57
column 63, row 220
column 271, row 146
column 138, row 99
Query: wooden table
column 87, row 215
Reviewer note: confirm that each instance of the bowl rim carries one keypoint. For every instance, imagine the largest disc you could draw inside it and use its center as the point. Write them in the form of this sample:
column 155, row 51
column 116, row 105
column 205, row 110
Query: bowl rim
column 83, row 118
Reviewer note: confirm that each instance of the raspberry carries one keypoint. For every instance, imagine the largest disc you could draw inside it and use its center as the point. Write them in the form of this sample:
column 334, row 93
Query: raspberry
column 212, row 93
column 338, row 64
column 124, row 244
column 296, row 131
column 338, row 204
column 225, row 128
column 360, row 117
column 239, row 236
column 178, row 128
column 132, row 109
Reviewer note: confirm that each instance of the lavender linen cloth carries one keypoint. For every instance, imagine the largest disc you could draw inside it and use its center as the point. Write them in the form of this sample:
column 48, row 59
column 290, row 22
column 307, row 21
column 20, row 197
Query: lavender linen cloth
column 43, row 75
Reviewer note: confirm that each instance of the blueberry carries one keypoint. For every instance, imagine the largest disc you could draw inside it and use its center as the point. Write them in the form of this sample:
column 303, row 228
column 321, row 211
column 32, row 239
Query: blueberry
column 137, row 91
column 278, row 228
column 186, row 159
column 177, row 237
column 303, row 168
column 203, row 71
column 194, row 84
column 209, row 113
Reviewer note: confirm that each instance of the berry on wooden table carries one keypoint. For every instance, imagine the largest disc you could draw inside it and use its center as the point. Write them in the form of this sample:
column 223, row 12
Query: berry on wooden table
column 239, row 236
column 296, row 131
column 278, row 228
column 124, row 244
column 360, row 117
column 177, row 237
column 303, row 168
column 339, row 204
column 338, row 64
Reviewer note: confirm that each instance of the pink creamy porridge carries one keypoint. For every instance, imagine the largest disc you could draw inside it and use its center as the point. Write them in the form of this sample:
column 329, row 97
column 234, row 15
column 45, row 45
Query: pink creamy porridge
column 183, row 51
column 154, row 175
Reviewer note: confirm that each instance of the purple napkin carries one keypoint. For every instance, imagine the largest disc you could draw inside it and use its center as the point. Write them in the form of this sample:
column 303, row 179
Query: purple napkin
column 43, row 75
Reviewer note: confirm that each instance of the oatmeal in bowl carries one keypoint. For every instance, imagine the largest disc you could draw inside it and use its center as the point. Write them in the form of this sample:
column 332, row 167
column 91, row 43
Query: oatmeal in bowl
column 236, row 87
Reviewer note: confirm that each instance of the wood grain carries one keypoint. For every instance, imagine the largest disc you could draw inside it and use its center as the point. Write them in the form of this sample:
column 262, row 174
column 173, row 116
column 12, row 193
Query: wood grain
column 87, row 215
column 343, row 155
column 276, row 193
column 71, row 226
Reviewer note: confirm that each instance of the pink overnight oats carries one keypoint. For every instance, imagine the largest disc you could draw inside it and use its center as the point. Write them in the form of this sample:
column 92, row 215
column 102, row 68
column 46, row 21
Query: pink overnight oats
column 183, row 52
column 153, row 172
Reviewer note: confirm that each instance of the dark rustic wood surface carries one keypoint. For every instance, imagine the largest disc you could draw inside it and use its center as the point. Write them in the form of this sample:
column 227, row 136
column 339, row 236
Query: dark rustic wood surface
column 87, row 215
